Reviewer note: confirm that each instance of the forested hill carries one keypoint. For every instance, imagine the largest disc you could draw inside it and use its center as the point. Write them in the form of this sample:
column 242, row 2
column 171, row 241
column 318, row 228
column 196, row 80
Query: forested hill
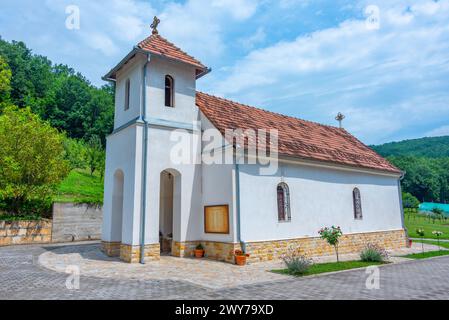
column 426, row 163
column 435, row 147
column 55, row 92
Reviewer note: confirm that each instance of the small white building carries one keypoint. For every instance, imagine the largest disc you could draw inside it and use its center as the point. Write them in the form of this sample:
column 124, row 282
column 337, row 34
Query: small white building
column 322, row 175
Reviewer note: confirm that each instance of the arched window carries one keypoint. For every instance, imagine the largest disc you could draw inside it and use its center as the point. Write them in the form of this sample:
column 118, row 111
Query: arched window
column 357, row 204
column 283, row 196
column 127, row 90
column 169, row 90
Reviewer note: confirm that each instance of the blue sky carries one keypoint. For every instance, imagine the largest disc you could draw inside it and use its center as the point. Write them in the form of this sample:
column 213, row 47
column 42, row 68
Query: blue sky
column 309, row 59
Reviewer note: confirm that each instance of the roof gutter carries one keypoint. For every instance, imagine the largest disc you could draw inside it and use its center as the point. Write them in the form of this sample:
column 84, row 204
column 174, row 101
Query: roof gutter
column 202, row 74
column 113, row 71
column 143, row 118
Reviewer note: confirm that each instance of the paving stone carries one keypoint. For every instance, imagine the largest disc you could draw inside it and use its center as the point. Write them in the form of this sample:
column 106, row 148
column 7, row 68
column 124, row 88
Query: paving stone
column 23, row 278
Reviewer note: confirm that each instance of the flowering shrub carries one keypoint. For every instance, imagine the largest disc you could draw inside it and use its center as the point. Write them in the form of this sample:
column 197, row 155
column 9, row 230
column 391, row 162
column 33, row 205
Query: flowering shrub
column 295, row 262
column 373, row 253
column 332, row 236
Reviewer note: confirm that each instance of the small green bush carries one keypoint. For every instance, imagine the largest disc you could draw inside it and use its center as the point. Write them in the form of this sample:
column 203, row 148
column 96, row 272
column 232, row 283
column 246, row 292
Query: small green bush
column 373, row 253
column 30, row 207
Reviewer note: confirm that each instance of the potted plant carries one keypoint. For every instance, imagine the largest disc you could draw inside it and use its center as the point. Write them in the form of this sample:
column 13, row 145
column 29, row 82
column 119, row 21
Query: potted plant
column 240, row 257
column 199, row 251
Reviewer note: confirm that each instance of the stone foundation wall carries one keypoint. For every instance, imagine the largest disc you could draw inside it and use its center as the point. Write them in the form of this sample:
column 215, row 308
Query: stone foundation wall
column 313, row 247
column 222, row 251
column 25, row 232
column 111, row 249
column 263, row 250
column 131, row 254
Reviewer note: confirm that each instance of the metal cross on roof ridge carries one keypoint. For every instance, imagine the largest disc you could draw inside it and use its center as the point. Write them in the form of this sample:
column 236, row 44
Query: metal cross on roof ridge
column 155, row 24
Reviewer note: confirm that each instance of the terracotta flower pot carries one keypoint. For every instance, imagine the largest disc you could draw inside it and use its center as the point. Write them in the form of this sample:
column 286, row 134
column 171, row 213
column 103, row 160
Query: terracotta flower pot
column 240, row 260
column 199, row 253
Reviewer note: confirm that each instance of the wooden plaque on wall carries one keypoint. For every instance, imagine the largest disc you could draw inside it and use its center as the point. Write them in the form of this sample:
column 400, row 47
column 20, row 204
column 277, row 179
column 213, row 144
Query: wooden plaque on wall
column 216, row 219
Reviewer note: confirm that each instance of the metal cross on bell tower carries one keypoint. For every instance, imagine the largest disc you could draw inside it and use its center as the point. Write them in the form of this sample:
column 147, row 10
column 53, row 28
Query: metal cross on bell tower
column 155, row 24
column 340, row 118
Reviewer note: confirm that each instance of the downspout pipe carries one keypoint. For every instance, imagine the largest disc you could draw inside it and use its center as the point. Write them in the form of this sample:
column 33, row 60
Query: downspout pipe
column 400, row 201
column 143, row 118
column 237, row 205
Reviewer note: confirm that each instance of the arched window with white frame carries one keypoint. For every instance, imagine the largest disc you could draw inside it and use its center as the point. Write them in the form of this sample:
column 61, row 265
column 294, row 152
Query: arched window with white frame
column 169, row 91
column 357, row 200
column 283, row 200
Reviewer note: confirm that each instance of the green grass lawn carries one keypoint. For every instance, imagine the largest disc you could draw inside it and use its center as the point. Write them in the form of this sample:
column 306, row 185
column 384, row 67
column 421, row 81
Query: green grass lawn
column 330, row 267
column 428, row 254
column 415, row 221
column 442, row 244
column 81, row 187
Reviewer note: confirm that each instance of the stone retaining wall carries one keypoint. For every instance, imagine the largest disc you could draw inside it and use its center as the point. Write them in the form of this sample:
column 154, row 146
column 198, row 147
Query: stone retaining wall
column 76, row 222
column 25, row 232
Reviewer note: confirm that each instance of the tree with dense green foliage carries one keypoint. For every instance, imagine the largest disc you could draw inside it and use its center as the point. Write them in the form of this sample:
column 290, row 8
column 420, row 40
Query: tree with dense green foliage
column 427, row 179
column 31, row 159
column 58, row 94
column 75, row 153
column 95, row 154
column 5, row 81
column 426, row 163
column 409, row 201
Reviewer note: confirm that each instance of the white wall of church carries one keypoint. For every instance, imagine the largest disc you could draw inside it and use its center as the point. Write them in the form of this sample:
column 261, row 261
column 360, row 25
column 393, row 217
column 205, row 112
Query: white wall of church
column 122, row 153
column 218, row 189
column 184, row 110
column 161, row 142
column 186, row 221
column 133, row 71
column 319, row 197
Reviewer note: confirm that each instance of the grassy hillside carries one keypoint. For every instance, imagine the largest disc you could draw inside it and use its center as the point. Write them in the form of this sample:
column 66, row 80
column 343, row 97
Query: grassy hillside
column 81, row 187
column 435, row 147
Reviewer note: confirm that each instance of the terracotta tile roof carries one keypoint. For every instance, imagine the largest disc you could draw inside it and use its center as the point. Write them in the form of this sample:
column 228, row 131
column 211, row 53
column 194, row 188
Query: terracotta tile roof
column 297, row 138
column 161, row 46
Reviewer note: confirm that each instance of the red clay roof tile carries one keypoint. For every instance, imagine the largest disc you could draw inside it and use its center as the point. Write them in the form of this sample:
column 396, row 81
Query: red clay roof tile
column 161, row 46
column 297, row 138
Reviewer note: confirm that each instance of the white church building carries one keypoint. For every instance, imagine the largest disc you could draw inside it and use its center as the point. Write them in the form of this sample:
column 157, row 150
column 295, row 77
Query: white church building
column 155, row 204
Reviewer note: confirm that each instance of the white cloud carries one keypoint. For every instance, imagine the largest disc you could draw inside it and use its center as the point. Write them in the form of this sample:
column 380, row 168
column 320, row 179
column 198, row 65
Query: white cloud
column 378, row 76
column 250, row 42
column 198, row 26
column 239, row 9
column 438, row 132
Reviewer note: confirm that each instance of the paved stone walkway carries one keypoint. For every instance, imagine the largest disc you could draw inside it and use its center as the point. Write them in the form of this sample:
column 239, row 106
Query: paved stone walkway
column 21, row 277
column 207, row 273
